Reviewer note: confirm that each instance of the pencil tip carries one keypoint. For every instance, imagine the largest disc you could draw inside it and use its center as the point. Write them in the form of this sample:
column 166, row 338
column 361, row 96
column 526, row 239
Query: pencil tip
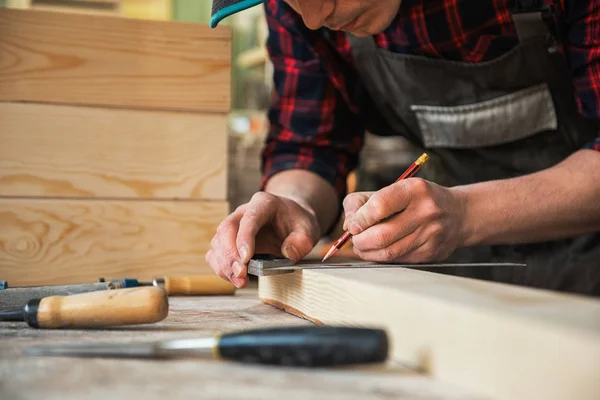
column 329, row 253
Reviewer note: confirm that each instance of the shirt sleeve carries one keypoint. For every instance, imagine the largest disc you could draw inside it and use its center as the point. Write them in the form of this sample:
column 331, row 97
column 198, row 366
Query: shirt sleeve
column 312, row 126
column 582, row 47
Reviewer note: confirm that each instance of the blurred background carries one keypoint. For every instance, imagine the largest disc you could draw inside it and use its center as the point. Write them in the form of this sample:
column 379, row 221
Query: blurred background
column 383, row 159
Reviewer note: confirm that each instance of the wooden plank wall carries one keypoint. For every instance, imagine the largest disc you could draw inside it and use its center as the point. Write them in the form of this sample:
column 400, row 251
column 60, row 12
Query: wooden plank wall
column 99, row 152
column 113, row 146
column 111, row 61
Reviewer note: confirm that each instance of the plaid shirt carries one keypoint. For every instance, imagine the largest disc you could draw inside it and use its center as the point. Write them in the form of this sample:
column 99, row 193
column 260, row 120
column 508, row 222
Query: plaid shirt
column 318, row 116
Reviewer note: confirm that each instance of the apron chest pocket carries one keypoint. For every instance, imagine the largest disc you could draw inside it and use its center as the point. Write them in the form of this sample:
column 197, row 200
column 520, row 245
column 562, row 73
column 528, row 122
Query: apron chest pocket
column 502, row 120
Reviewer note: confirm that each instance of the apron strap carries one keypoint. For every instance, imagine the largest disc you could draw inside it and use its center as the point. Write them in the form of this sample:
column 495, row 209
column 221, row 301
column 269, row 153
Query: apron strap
column 528, row 17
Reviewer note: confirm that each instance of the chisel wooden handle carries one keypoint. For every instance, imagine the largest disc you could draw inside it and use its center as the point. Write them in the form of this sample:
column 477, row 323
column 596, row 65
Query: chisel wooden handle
column 99, row 309
column 195, row 285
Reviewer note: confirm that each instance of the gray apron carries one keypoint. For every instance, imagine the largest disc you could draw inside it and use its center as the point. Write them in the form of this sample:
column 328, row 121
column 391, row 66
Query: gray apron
column 503, row 118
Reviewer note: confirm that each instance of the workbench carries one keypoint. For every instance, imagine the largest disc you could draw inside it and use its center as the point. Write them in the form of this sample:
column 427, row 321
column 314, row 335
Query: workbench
column 24, row 377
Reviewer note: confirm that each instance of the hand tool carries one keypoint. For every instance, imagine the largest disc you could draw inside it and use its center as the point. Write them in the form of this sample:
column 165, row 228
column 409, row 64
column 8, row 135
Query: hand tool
column 94, row 309
column 15, row 297
column 197, row 285
column 267, row 264
column 314, row 346
column 410, row 172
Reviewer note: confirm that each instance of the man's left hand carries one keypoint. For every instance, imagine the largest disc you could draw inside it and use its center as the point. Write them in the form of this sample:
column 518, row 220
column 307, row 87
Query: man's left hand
column 409, row 221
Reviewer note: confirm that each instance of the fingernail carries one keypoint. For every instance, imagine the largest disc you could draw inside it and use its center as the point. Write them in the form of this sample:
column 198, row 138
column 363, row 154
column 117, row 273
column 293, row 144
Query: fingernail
column 244, row 252
column 290, row 252
column 240, row 283
column 347, row 219
column 354, row 228
column 238, row 269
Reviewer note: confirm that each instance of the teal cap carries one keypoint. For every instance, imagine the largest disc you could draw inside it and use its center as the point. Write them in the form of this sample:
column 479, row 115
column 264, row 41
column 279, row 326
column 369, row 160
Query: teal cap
column 224, row 8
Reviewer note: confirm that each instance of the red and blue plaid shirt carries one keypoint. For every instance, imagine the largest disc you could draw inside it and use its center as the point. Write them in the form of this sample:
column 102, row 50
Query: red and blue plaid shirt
column 318, row 116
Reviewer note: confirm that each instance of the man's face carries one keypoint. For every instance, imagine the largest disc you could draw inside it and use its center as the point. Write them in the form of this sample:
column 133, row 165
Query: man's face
column 359, row 17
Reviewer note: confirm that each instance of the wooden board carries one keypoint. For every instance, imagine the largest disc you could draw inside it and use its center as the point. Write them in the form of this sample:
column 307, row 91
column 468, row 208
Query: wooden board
column 51, row 150
column 500, row 341
column 77, row 241
column 112, row 61
column 23, row 377
column 97, row 7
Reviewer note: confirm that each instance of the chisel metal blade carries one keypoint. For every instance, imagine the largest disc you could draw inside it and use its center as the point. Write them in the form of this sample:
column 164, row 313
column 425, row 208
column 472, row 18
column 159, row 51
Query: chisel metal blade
column 110, row 350
column 193, row 347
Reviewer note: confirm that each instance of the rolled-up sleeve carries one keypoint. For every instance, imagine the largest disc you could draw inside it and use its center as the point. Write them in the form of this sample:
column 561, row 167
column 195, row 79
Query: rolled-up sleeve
column 582, row 48
column 312, row 126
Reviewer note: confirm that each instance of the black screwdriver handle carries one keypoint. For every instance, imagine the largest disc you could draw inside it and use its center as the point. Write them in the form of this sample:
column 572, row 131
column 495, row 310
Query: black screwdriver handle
column 306, row 346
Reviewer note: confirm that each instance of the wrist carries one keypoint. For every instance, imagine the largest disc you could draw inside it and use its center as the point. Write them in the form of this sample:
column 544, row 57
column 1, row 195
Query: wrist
column 471, row 217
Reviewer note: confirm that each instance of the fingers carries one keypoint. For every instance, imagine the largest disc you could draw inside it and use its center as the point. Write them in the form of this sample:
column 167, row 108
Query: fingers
column 223, row 257
column 352, row 203
column 297, row 245
column 408, row 249
column 212, row 261
column 224, row 271
column 258, row 213
column 381, row 205
column 384, row 234
column 266, row 224
column 421, row 245
column 219, row 266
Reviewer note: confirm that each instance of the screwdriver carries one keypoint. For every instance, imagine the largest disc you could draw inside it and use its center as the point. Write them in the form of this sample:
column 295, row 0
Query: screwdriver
column 318, row 346
column 105, row 308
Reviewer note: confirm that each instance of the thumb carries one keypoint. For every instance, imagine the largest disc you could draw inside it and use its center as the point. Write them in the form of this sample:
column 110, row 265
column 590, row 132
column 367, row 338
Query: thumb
column 352, row 203
column 296, row 245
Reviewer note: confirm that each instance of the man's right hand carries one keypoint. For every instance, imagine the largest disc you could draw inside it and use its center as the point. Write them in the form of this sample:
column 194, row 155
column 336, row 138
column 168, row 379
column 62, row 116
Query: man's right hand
column 267, row 224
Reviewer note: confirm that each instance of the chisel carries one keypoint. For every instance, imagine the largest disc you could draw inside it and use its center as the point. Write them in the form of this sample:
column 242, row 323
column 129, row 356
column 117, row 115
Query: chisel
column 15, row 297
column 117, row 307
column 313, row 346
column 197, row 285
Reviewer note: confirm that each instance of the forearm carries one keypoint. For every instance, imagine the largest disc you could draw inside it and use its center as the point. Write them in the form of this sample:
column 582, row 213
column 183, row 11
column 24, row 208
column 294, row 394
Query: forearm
column 559, row 202
column 310, row 191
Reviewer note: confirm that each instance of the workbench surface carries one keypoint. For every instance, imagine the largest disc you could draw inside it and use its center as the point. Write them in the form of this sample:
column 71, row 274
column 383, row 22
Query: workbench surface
column 23, row 377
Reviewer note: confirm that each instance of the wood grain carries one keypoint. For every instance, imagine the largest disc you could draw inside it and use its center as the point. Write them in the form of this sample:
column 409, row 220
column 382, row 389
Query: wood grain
column 78, row 241
column 23, row 377
column 113, row 61
column 50, row 150
column 496, row 340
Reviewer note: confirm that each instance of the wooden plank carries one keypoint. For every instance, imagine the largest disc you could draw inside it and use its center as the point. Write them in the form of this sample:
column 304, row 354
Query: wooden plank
column 75, row 241
column 18, row 3
column 500, row 341
column 100, row 7
column 51, row 150
column 76, row 10
column 80, row 2
column 23, row 377
column 113, row 61
column 149, row 9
